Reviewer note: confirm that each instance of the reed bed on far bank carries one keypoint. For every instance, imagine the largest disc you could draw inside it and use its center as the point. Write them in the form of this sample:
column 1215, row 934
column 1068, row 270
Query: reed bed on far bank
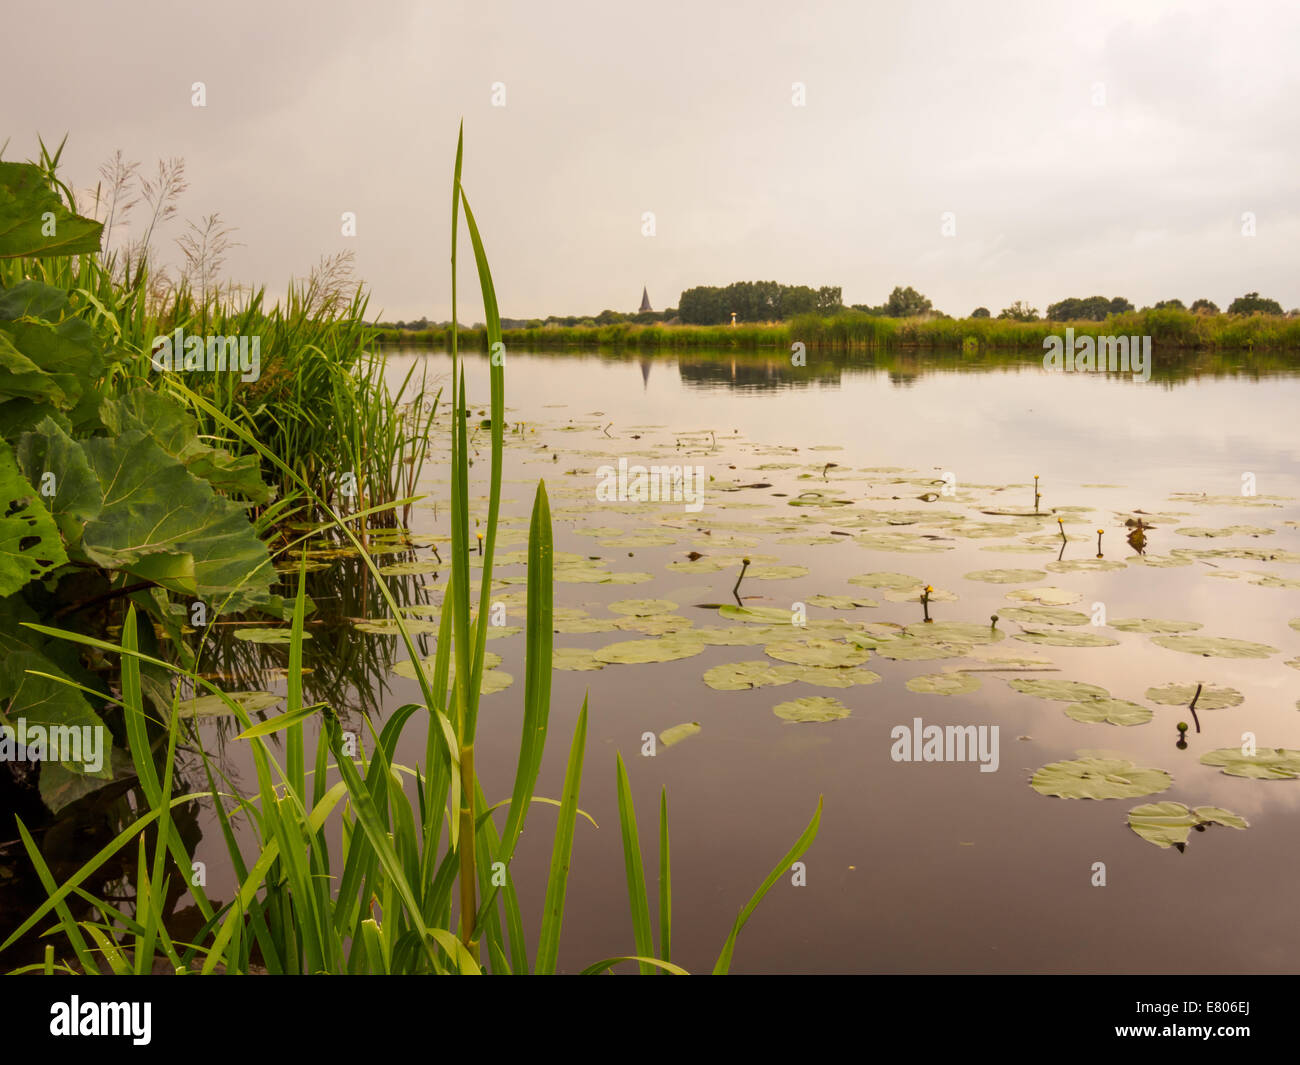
column 854, row 331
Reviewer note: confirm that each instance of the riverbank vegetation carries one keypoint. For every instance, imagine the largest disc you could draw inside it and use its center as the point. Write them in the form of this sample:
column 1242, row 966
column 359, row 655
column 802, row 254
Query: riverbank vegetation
column 856, row 331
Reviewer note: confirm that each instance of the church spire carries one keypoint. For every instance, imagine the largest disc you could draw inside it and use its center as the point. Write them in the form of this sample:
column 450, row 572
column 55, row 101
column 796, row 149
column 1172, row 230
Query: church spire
column 645, row 300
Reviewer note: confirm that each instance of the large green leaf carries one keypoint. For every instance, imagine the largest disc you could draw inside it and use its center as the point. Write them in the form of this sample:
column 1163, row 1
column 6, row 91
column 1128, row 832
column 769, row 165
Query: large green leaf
column 177, row 433
column 52, row 356
column 161, row 522
column 33, row 220
column 29, row 540
column 77, row 496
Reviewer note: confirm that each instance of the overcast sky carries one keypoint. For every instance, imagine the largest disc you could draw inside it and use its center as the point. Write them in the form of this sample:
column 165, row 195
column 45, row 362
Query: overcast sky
column 685, row 109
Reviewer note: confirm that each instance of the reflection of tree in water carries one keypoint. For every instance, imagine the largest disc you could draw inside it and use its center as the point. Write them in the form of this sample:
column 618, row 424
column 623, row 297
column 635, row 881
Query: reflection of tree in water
column 755, row 373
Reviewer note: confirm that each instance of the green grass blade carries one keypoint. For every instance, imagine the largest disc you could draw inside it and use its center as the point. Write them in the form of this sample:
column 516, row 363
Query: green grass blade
column 636, row 890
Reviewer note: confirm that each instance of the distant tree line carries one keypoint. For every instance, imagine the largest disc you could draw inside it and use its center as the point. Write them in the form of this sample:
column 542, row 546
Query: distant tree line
column 756, row 301
column 768, row 301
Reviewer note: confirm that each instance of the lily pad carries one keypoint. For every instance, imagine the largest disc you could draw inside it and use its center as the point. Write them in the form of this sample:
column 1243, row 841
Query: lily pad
column 1047, row 596
column 899, row 581
column 840, row 602
column 955, row 632
column 214, row 706
column 1212, row 697
column 1267, row 763
column 815, row 652
column 1109, row 712
column 1215, row 646
column 1044, row 615
column 740, row 676
column 1084, row 565
column 775, row 573
column 267, row 634
column 1099, row 778
column 1005, row 576
column 1059, row 638
column 575, row 658
column 637, row 652
column 811, row 708
column 1154, row 625
column 1063, row 690
column 643, row 607
column 1169, row 824
column 677, row 733
column 943, row 684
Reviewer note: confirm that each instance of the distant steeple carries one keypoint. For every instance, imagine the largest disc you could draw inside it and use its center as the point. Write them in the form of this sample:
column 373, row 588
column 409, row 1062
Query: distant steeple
column 645, row 300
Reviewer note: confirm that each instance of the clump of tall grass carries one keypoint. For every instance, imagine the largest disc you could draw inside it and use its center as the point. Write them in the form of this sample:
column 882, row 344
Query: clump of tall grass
column 420, row 850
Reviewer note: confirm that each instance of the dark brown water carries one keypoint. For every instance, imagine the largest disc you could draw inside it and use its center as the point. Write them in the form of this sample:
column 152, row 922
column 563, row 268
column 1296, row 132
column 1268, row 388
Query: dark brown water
column 924, row 866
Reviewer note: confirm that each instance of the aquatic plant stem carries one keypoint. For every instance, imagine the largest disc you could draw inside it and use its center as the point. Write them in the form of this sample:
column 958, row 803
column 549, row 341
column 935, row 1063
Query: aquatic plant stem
column 1192, row 708
column 468, row 876
column 736, row 590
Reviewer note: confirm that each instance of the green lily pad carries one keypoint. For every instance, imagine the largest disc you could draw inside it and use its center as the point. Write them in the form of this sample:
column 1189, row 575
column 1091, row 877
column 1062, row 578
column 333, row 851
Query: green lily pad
column 643, row 607
column 1047, row 596
column 1227, row 530
column 913, row 594
column 811, row 708
column 575, row 658
column 406, row 569
column 1169, row 824
column 1057, row 638
column 1154, row 625
column 389, row 627
column 907, row 543
column 637, row 652
column 1066, row 691
column 267, row 634
column 1109, row 712
column 1267, row 763
column 214, row 706
column 566, row 626
column 765, row 615
column 913, row 650
column 829, row 678
column 775, row 573
column 1215, row 646
column 1044, row 615
column 1084, row 565
column 1099, row 778
column 899, row 581
column 1212, row 697
column 840, row 602
column 955, row 632
column 943, row 684
column 1005, row 576
column 677, row 733
column 815, row 652
column 740, row 676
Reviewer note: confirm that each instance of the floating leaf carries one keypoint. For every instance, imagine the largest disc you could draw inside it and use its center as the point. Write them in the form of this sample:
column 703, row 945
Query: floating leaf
column 1066, row 691
column 1275, row 763
column 1099, row 778
column 1084, row 565
column 776, row 573
column 898, row 581
column 943, row 684
column 639, row 652
column 811, row 708
column 1215, row 646
column 575, row 658
column 1212, row 697
column 1156, row 625
column 267, row 634
column 215, row 706
column 814, row 652
column 955, row 632
column 1044, row 615
column 840, row 602
column 1056, row 638
column 1047, row 596
column 740, row 676
column 1005, row 576
column 643, row 607
column 1109, row 712
column 677, row 733
column 1169, row 824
